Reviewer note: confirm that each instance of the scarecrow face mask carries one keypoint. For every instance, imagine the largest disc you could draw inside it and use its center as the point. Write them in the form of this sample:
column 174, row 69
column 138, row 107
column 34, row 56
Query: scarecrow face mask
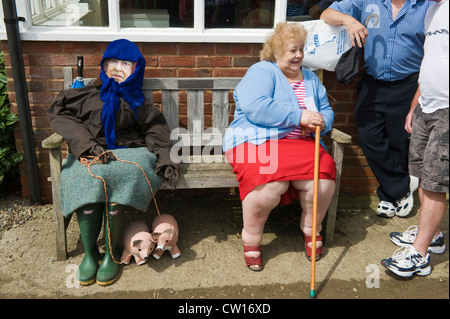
column 123, row 61
column 120, row 70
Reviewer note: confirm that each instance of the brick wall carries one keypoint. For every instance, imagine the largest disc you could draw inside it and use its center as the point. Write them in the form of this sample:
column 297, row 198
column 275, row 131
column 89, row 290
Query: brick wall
column 44, row 62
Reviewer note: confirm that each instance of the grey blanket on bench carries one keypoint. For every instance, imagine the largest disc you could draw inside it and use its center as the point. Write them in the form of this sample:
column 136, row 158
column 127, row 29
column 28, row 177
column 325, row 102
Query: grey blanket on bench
column 125, row 183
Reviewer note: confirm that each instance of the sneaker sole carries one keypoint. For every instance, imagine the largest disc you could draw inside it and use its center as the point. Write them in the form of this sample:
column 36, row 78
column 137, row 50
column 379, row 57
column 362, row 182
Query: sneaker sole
column 419, row 272
column 385, row 214
column 404, row 212
column 435, row 250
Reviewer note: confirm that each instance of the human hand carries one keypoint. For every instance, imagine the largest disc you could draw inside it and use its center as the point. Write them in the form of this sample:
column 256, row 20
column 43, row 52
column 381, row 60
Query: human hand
column 99, row 152
column 408, row 121
column 311, row 119
column 409, row 117
column 171, row 175
column 358, row 32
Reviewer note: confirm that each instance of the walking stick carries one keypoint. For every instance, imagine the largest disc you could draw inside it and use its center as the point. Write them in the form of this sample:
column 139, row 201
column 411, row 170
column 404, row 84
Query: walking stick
column 312, row 292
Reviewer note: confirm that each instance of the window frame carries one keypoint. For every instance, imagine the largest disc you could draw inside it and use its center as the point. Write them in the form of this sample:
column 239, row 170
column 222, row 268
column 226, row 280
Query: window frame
column 197, row 34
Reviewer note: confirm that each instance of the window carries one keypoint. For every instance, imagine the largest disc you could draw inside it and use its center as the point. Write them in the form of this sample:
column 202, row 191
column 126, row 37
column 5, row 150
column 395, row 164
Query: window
column 66, row 13
column 154, row 14
column 303, row 10
column 239, row 14
column 239, row 21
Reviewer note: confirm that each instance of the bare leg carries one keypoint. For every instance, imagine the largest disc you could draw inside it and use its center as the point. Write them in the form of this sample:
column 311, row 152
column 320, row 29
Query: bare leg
column 325, row 194
column 256, row 208
column 431, row 215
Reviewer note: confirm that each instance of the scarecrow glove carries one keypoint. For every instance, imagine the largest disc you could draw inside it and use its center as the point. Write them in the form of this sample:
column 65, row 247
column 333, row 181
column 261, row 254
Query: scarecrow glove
column 96, row 150
column 171, row 175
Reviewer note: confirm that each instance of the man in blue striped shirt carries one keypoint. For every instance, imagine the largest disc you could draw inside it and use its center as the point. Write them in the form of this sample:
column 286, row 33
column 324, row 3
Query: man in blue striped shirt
column 393, row 50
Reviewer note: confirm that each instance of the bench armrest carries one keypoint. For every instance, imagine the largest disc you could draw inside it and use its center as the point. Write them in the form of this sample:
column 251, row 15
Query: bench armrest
column 53, row 141
column 339, row 136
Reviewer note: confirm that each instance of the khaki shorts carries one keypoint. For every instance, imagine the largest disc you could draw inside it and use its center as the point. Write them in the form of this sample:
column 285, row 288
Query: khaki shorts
column 428, row 149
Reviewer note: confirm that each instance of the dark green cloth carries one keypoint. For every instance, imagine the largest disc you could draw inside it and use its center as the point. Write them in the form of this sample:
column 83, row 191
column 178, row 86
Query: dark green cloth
column 125, row 183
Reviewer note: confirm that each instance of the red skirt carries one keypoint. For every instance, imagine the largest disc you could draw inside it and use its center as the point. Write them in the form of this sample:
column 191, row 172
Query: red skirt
column 278, row 160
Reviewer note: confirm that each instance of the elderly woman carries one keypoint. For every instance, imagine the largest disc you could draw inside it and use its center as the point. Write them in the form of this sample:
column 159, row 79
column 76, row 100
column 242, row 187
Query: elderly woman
column 104, row 123
column 270, row 143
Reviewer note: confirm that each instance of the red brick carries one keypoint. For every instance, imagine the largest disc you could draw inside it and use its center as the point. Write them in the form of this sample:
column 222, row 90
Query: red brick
column 234, row 48
column 213, row 61
column 151, row 61
column 60, row 60
column 175, row 61
column 81, row 48
column 158, row 48
column 184, row 73
column 92, row 60
column 196, row 49
column 232, row 72
column 42, row 47
column 42, row 98
column 36, row 85
column 55, row 85
column 244, row 61
column 161, row 73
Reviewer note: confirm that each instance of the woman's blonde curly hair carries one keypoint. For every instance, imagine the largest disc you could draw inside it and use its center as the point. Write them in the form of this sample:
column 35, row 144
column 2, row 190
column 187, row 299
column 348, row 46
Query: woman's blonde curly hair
column 283, row 32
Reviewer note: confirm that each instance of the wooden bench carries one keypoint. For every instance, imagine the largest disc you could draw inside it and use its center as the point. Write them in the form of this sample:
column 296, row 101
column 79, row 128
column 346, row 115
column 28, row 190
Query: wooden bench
column 203, row 170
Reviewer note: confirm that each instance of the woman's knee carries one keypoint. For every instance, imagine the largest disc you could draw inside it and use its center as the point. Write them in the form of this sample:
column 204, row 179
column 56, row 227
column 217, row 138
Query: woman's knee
column 266, row 196
column 326, row 186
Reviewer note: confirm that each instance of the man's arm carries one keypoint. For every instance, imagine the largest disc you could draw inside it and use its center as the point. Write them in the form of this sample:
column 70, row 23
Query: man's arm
column 355, row 29
column 414, row 103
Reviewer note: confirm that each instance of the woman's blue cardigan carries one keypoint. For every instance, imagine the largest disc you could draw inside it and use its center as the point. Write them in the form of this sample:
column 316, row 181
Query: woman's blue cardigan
column 267, row 107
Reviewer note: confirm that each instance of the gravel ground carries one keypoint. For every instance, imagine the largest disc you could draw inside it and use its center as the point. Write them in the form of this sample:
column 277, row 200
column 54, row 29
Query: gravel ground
column 14, row 211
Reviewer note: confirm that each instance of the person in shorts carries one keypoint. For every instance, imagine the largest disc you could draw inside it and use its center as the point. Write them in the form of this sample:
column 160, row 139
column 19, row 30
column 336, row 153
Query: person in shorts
column 428, row 124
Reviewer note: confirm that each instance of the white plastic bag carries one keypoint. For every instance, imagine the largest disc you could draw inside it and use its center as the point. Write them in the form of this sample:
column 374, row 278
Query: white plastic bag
column 324, row 45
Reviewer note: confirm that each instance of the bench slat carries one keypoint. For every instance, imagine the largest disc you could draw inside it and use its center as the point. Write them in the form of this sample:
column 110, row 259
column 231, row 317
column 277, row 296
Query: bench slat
column 195, row 112
column 210, row 179
column 170, row 108
column 220, row 109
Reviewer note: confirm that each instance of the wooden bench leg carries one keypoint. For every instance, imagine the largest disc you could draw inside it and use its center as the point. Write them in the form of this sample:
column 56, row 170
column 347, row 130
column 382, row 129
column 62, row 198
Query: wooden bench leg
column 60, row 228
column 330, row 219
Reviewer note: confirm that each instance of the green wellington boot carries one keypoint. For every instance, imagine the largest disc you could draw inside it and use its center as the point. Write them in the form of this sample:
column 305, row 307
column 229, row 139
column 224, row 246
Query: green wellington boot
column 90, row 223
column 108, row 272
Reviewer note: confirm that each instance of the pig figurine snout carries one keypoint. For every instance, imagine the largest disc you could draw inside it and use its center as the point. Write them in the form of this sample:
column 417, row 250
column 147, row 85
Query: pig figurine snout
column 165, row 233
column 138, row 242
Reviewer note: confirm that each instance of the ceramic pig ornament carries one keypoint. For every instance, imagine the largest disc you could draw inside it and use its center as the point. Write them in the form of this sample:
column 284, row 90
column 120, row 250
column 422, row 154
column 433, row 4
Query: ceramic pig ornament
column 137, row 242
column 165, row 232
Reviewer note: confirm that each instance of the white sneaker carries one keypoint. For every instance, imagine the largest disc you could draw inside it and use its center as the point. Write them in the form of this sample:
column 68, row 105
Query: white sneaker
column 406, row 238
column 404, row 205
column 413, row 183
column 407, row 261
column 386, row 209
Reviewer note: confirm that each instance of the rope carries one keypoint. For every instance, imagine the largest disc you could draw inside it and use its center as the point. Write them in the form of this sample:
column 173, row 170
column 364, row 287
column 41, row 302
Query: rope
column 85, row 161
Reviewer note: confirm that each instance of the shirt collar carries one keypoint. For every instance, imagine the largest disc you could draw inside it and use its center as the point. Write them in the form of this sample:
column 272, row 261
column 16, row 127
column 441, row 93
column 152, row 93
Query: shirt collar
column 387, row 3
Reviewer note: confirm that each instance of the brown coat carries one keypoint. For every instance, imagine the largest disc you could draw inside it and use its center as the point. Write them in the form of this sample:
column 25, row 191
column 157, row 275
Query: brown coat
column 76, row 115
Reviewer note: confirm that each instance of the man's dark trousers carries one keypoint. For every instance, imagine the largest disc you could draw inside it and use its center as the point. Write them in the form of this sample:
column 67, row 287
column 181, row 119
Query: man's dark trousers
column 380, row 115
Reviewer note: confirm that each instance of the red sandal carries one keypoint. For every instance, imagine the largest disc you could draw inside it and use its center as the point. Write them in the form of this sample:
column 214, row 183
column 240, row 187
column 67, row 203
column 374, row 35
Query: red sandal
column 308, row 250
column 253, row 261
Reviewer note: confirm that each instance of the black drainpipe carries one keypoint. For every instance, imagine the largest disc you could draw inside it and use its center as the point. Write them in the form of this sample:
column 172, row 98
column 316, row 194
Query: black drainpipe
column 20, row 86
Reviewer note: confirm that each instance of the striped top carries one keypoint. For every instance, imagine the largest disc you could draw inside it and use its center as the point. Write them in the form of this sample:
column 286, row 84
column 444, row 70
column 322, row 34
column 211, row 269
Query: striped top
column 299, row 89
column 394, row 47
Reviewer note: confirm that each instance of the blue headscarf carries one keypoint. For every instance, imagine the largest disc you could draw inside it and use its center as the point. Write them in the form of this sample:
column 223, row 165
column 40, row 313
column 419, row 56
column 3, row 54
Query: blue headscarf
column 130, row 90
